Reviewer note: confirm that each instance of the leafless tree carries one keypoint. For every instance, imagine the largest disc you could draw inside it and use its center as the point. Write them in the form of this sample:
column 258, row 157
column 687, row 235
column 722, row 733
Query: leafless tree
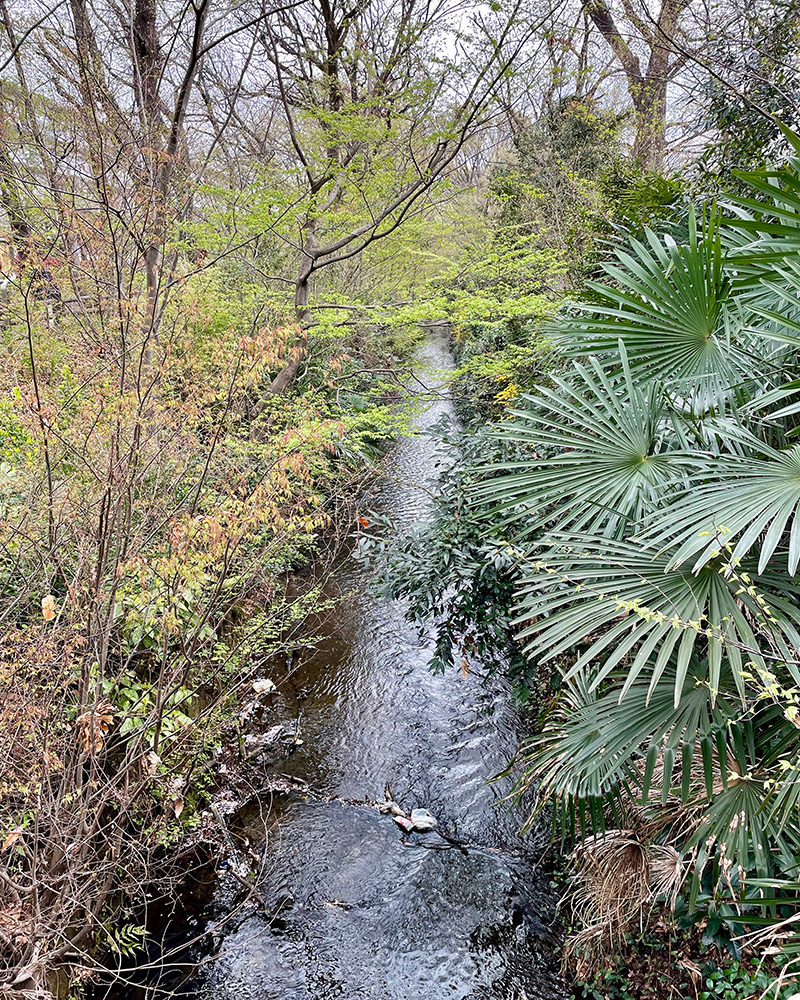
column 651, row 56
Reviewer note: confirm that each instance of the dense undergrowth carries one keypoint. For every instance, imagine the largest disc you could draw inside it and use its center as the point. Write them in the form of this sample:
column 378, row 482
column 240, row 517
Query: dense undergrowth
column 153, row 515
column 182, row 447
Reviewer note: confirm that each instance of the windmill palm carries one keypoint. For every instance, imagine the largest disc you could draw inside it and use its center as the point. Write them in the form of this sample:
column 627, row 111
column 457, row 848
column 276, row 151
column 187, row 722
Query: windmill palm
column 602, row 454
column 656, row 517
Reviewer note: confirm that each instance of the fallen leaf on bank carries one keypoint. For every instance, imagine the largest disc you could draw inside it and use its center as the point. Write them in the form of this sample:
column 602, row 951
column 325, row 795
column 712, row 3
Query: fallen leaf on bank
column 11, row 839
column 691, row 967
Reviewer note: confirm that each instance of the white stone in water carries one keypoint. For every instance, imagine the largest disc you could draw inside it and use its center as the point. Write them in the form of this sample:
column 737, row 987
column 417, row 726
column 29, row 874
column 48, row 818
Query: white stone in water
column 423, row 820
column 264, row 686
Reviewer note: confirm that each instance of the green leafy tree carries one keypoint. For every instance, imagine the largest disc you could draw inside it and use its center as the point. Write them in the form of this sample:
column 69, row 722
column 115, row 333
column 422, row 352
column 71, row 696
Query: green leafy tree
column 376, row 117
column 755, row 88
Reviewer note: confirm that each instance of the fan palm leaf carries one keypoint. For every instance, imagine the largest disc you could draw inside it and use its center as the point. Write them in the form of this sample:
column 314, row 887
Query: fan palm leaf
column 630, row 603
column 738, row 821
column 609, row 459
column 597, row 743
column 752, row 502
column 662, row 476
column 706, row 753
column 669, row 305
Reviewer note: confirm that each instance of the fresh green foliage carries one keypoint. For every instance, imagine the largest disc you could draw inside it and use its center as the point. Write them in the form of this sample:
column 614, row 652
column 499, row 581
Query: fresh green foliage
column 737, row 983
column 704, row 981
column 497, row 363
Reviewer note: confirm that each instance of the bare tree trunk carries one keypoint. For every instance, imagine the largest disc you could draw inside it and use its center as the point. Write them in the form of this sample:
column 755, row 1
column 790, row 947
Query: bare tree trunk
column 650, row 107
column 288, row 373
column 148, row 52
column 647, row 86
column 11, row 201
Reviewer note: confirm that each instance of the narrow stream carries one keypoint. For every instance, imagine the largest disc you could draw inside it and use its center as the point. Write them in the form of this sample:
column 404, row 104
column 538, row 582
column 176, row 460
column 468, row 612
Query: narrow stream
column 366, row 910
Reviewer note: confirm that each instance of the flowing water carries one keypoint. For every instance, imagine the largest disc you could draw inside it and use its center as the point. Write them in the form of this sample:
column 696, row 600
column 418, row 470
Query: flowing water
column 366, row 910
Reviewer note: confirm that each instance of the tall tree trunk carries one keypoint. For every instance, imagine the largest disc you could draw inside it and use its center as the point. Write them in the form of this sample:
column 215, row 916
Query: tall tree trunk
column 21, row 230
column 650, row 108
column 156, row 234
column 647, row 86
column 288, row 373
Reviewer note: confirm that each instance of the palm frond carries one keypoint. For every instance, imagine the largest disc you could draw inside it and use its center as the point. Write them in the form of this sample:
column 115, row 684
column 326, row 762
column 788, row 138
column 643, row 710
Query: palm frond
column 670, row 307
column 662, row 479
column 745, row 502
column 594, row 746
column 600, row 452
column 629, row 602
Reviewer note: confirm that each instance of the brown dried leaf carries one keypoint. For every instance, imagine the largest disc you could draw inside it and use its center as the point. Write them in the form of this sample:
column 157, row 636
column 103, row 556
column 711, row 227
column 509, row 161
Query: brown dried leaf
column 92, row 727
column 49, row 607
column 11, row 839
column 691, row 967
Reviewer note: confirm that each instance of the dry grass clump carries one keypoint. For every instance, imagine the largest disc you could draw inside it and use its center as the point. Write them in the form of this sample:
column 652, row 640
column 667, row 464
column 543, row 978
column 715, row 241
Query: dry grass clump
column 616, row 876
column 619, row 875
